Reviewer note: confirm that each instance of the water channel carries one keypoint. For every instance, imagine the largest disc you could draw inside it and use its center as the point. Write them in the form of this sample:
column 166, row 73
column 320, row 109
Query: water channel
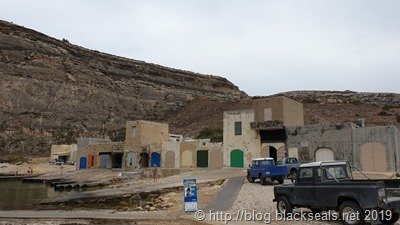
column 18, row 195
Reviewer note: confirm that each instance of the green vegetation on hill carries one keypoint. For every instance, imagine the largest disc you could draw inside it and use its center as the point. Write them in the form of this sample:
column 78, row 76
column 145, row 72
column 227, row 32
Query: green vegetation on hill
column 215, row 135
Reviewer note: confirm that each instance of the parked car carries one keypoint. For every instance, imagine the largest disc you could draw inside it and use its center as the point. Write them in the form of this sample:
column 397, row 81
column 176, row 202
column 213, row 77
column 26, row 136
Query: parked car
column 265, row 168
column 56, row 161
column 324, row 186
column 292, row 165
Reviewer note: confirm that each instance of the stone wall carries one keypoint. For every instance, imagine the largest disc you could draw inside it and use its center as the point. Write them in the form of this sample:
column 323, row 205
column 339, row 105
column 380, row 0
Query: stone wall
column 386, row 135
column 142, row 135
column 308, row 139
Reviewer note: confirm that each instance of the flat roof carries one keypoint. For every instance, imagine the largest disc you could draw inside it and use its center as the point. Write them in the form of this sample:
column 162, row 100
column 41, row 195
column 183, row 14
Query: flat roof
column 258, row 159
column 324, row 163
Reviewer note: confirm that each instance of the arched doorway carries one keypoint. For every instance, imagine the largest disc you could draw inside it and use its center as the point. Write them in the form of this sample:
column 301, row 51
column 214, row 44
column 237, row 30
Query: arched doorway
column 237, row 158
column 131, row 160
column 144, row 159
column 170, row 159
column 187, row 158
column 273, row 153
column 202, row 158
column 82, row 163
column 155, row 159
column 373, row 157
column 324, row 154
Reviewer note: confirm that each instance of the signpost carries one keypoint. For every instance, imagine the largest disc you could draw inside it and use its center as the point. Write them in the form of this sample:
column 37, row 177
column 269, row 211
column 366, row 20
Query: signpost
column 190, row 195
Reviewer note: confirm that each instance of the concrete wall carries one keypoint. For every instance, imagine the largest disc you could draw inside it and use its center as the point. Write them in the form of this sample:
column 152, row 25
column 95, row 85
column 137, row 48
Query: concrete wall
column 284, row 109
column 249, row 142
column 293, row 112
column 386, row 135
column 308, row 139
column 83, row 143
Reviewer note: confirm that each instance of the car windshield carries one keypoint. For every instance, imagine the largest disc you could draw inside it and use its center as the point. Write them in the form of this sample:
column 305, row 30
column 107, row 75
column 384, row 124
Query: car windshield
column 337, row 172
column 291, row 160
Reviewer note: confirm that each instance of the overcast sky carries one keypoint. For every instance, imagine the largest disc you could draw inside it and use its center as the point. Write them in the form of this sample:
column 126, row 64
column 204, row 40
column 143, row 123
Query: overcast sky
column 264, row 47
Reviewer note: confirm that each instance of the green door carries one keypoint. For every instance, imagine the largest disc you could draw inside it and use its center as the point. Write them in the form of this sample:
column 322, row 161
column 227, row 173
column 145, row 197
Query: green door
column 202, row 158
column 237, row 158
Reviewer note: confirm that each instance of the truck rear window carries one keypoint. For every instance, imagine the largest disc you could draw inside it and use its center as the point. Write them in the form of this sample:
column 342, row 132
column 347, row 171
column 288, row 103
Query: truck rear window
column 337, row 172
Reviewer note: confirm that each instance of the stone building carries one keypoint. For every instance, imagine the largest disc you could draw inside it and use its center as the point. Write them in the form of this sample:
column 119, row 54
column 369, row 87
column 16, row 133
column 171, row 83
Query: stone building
column 147, row 144
column 259, row 132
column 275, row 128
column 99, row 153
column 143, row 142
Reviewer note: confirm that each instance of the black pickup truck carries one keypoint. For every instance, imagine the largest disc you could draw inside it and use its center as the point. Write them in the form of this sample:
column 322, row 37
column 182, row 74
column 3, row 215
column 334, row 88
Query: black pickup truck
column 322, row 186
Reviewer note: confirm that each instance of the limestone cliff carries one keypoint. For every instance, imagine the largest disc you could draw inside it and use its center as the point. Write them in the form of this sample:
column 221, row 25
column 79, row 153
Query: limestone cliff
column 53, row 91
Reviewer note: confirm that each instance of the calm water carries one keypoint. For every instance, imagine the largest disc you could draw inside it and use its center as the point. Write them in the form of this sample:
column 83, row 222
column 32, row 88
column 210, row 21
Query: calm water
column 19, row 195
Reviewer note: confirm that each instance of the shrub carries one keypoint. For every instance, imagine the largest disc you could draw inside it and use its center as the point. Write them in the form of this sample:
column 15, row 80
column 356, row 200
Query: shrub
column 215, row 135
column 383, row 113
column 389, row 107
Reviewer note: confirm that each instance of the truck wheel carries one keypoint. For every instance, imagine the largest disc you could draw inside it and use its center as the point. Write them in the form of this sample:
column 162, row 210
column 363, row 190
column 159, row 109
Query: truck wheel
column 284, row 206
column 351, row 213
column 392, row 220
column 280, row 180
column 250, row 178
column 263, row 181
column 292, row 174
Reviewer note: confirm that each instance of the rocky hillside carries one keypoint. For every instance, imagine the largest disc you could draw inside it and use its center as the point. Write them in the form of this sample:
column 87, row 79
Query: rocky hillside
column 53, row 91
column 320, row 107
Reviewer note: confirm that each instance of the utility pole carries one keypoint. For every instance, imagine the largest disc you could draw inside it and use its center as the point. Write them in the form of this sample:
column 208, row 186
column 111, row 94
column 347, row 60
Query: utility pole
column 103, row 133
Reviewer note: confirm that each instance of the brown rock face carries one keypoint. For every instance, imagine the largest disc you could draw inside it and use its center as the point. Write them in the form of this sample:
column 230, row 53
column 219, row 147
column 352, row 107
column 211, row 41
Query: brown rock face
column 53, row 91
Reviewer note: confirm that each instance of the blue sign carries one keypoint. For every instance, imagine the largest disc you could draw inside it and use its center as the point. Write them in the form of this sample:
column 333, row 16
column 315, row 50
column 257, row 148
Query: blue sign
column 190, row 194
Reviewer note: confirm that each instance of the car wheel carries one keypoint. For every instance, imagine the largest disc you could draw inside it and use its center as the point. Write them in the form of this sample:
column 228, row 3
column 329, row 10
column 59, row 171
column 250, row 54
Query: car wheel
column 293, row 174
column 390, row 220
column 280, row 180
column 263, row 181
column 250, row 178
column 283, row 205
column 350, row 213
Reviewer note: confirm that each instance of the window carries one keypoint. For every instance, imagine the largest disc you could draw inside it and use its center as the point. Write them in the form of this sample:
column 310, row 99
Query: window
column 238, row 128
column 134, row 131
column 291, row 160
column 279, row 162
column 338, row 172
column 306, row 174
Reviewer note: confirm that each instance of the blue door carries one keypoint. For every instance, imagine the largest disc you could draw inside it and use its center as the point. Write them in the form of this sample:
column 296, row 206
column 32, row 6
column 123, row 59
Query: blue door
column 82, row 163
column 155, row 159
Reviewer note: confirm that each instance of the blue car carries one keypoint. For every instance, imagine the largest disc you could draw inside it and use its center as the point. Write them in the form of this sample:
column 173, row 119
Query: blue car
column 265, row 168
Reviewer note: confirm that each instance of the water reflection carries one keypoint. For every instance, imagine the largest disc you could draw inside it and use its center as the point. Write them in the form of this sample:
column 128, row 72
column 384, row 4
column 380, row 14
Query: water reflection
column 21, row 195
